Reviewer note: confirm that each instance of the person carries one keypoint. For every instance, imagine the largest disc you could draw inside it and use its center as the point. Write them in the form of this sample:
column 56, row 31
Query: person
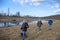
column 50, row 22
column 24, row 29
column 4, row 23
column 39, row 24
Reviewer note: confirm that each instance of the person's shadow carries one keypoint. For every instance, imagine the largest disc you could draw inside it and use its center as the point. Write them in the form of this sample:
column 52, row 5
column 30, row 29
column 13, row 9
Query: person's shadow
column 58, row 37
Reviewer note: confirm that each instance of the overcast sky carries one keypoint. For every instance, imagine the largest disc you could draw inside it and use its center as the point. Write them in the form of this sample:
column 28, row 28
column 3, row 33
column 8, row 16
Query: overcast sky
column 37, row 8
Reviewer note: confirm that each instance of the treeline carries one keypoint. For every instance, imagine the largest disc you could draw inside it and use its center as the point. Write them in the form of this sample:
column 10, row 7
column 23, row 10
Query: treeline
column 52, row 17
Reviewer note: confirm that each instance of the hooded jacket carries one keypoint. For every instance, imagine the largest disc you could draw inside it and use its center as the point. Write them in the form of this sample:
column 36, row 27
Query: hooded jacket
column 24, row 26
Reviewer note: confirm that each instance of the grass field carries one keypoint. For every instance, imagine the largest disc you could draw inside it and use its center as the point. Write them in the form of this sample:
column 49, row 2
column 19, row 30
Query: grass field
column 13, row 33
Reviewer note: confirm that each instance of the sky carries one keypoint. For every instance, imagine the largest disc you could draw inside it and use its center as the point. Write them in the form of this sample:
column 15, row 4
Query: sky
column 38, row 8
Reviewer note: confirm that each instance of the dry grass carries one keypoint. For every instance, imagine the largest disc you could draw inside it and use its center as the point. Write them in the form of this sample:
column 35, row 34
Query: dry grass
column 13, row 33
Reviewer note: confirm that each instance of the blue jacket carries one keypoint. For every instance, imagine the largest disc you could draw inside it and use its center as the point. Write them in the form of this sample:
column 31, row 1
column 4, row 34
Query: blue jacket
column 50, row 22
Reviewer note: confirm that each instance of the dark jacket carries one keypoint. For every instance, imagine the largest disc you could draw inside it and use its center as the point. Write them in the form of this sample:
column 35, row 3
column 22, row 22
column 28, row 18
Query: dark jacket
column 24, row 26
column 50, row 22
column 39, row 23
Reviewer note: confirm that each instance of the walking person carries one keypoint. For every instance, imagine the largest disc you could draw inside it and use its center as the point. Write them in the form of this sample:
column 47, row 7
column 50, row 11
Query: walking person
column 39, row 24
column 24, row 29
column 50, row 22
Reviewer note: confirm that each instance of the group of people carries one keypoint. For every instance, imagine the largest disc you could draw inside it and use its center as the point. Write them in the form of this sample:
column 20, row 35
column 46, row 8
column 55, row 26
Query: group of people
column 39, row 25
